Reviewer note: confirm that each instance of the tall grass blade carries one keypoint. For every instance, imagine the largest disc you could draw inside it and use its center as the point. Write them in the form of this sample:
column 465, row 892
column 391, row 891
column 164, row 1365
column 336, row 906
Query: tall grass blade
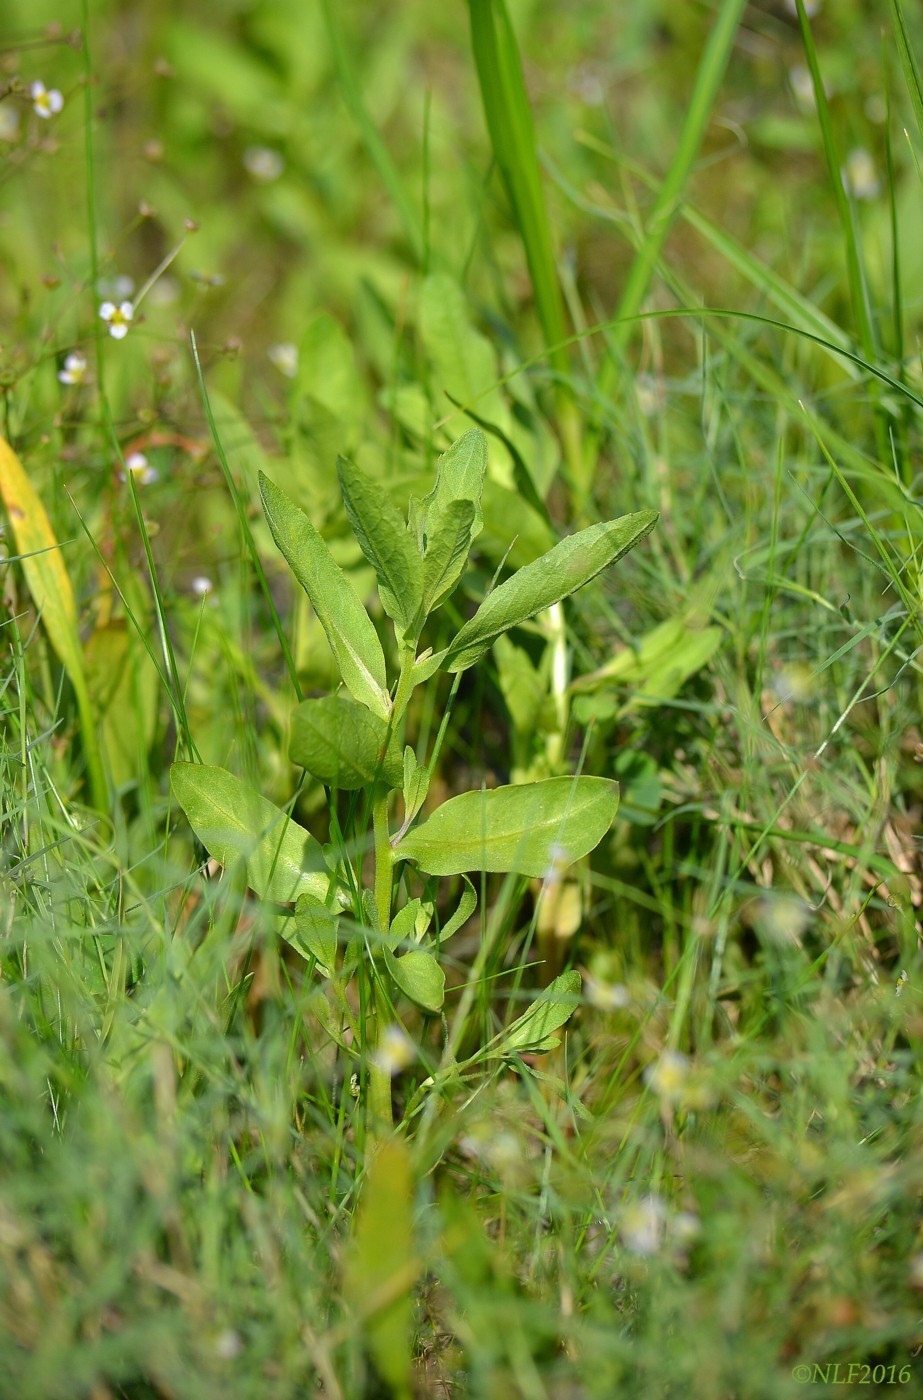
column 844, row 207
column 512, row 136
column 707, row 82
column 908, row 62
column 374, row 145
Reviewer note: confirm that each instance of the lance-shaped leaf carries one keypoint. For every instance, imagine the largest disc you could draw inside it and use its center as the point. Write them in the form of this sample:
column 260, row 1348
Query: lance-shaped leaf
column 416, row 784
column 343, row 744
column 534, row 1030
column 460, row 473
column 447, row 552
column 449, row 518
column 235, row 823
column 466, row 907
column 49, row 584
column 353, row 640
column 572, row 563
column 533, row 829
column 409, row 924
column 315, row 930
column 386, row 543
column 419, row 976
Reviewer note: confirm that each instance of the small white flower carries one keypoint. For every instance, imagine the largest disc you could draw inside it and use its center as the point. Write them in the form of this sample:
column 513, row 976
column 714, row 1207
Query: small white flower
column 75, row 369
column 860, row 176
column 685, row 1227
column 137, row 464
column 642, row 1226
column 668, row 1076
column 802, row 87
column 285, row 359
column 811, row 7
column 395, row 1050
column 201, row 586
column 46, row 102
column 117, row 318
column 605, row 996
column 263, row 164
column 228, row 1344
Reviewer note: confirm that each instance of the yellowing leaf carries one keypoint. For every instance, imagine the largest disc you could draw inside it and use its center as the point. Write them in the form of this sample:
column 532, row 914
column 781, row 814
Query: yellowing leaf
column 49, row 585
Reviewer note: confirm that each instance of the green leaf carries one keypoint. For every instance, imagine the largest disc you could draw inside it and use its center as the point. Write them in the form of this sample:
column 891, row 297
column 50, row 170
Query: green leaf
column 449, row 518
column 464, row 362
column 466, row 907
column 572, row 563
column 444, row 561
column 524, row 688
column 531, row 829
column 657, row 665
column 410, row 923
column 382, row 1266
column 315, row 930
column 341, row 743
column 547, row 1014
column 460, row 473
column 386, row 543
column 349, row 628
column 419, row 976
column 236, row 823
column 416, row 784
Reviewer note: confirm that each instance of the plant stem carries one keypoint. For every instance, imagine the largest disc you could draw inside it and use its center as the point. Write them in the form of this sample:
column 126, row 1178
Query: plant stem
column 381, row 1111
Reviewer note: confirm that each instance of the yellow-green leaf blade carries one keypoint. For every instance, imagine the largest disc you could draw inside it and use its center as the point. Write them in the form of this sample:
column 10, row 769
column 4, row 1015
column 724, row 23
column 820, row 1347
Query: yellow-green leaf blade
column 533, row 829
column 572, row 563
column 235, row 823
column 50, row 588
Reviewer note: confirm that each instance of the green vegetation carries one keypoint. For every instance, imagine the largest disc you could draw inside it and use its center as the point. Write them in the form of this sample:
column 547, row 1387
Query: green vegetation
column 461, row 760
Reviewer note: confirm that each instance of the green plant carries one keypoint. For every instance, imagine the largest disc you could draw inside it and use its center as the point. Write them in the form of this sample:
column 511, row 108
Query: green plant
column 353, row 741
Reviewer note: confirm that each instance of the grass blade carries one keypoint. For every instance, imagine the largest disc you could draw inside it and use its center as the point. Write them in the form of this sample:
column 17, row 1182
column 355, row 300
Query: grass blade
column 708, row 80
column 512, row 137
column 908, row 62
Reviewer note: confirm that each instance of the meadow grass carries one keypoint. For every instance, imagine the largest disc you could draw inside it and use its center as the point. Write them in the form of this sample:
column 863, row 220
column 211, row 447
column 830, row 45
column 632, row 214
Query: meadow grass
column 368, row 232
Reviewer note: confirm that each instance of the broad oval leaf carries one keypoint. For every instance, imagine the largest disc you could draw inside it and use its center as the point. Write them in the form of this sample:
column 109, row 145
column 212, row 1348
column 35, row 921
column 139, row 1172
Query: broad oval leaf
column 572, row 563
column 419, row 976
column 349, row 628
column 547, row 1014
column 386, row 543
column 234, row 822
column 341, row 743
column 533, row 829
